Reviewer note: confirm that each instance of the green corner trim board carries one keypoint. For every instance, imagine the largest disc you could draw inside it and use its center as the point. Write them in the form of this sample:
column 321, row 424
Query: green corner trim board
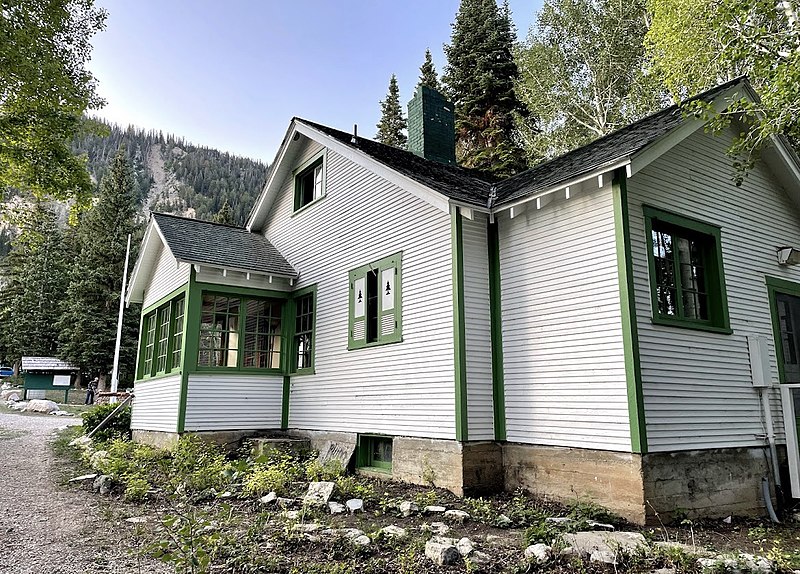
column 630, row 336
column 459, row 331
column 495, row 315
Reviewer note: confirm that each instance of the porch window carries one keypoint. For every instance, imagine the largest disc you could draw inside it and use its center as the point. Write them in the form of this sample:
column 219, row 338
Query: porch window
column 163, row 339
column 375, row 303
column 239, row 332
column 177, row 331
column 149, row 343
column 686, row 275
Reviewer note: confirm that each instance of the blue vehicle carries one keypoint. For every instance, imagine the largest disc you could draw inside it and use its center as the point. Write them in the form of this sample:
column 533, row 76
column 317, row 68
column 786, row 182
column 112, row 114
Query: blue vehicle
column 6, row 372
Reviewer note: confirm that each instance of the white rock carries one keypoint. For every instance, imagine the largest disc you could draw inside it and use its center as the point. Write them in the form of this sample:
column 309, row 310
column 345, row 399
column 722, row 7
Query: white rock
column 20, row 406
column 540, row 552
column 755, row 563
column 83, row 477
column 603, row 556
column 136, row 519
column 319, row 493
column 268, row 498
column 61, row 413
column 336, row 508
column 393, row 531
column 226, row 494
column 438, row 528
column 441, row 552
column 284, row 502
column 434, row 509
column 600, row 525
column 465, row 546
column 291, row 514
column 41, row 406
column 80, row 441
column 362, row 540
column 355, row 505
column 103, row 484
column 11, row 397
column 407, row 508
column 457, row 516
column 560, row 520
column 585, row 543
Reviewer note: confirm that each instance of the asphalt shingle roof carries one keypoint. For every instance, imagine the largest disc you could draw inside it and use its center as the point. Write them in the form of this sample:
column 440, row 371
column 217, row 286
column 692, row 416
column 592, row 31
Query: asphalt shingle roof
column 221, row 245
column 473, row 186
column 461, row 184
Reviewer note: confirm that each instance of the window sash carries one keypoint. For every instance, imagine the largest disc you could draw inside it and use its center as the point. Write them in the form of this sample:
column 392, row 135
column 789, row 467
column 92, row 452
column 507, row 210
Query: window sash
column 177, row 332
column 163, row 339
column 303, row 339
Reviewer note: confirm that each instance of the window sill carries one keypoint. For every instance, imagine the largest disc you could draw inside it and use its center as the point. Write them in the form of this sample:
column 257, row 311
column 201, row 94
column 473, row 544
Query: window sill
column 157, row 376
column 239, row 370
column 352, row 347
column 308, row 205
column 374, row 471
column 302, row 372
column 684, row 324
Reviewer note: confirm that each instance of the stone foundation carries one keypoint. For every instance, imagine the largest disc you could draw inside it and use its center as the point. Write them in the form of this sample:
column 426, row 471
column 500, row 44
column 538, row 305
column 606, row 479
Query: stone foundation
column 710, row 483
column 158, row 439
column 610, row 479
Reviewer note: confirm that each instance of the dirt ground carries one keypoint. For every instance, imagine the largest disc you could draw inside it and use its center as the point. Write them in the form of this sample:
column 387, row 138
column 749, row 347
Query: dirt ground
column 44, row 528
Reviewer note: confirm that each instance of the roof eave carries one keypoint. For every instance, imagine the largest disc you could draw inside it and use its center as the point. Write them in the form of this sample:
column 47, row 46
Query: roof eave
column 200, row 264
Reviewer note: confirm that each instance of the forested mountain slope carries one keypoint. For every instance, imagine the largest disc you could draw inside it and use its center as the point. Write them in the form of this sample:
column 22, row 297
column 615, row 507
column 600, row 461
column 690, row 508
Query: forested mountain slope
column 178, row 177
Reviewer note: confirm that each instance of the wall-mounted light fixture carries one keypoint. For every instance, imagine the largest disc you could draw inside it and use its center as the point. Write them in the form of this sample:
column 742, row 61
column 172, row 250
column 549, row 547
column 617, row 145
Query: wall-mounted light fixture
column 788, row 256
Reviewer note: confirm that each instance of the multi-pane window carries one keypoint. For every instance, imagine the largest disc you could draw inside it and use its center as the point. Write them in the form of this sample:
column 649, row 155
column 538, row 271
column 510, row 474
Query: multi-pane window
column 219, row 331
column 149, row 343
column 788, row 315
column 262, row 334
column 177, row 331
column 304, row 332
column 375, row 303
column 375, row 452
column 163, row 339
column 686, row 276
column 309, row 183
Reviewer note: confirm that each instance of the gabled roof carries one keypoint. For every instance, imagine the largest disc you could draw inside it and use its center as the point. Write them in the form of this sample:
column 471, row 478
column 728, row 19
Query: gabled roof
column 46, row 364
column 605, row 151
column 458, row 183
column 218, row 245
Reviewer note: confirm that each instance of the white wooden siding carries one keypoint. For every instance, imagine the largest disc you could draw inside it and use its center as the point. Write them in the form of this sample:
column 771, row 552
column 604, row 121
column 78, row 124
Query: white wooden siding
column 156, row 403
column 697, row 386
column 404, row 388
column 233, row 402
column 480, row 413
column 167, row 276
column 562, row 335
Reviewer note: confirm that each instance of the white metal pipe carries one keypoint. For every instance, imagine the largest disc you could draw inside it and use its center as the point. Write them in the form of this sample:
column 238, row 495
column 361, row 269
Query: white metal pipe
column 115, row 368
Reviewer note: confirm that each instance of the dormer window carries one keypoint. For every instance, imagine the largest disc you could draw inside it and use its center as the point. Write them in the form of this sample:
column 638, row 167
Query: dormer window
column 309, row 182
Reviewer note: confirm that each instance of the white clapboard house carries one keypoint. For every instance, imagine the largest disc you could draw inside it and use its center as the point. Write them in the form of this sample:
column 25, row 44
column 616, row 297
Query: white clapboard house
column 621, row 323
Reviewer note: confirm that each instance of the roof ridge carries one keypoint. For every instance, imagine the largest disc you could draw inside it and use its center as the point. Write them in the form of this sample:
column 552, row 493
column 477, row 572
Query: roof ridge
column 174, row 216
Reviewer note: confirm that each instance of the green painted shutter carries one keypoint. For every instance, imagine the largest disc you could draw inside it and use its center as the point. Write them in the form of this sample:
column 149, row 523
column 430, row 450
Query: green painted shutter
column 358, row 309
column 389, row 316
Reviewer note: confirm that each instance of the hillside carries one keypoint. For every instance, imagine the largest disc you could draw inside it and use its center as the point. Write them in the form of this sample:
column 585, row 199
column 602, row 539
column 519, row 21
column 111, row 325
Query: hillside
column 177, row 177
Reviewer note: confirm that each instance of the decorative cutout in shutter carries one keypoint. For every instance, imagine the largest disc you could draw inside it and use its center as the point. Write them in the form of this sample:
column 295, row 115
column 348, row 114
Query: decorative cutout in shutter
column 387, row 294
column 359, row 304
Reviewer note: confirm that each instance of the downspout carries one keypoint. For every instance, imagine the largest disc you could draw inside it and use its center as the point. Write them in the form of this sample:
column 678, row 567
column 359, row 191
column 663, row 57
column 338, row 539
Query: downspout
column 763, row 393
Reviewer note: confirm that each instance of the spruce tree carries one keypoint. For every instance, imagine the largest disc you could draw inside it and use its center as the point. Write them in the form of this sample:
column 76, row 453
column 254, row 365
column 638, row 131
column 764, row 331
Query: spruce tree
column 427, row 73
column 392, row 124
column 36, row 274
column 224, row 215
column 89, row 323
column 479, row 77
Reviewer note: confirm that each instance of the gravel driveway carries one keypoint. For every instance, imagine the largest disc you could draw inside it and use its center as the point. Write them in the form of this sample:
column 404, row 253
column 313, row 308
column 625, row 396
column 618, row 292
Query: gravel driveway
column 51, row 529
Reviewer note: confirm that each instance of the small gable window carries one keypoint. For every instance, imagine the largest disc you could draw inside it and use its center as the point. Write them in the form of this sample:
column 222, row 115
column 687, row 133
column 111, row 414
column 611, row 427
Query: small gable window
column 375, row 303
column 309, row 182
column 686, row 275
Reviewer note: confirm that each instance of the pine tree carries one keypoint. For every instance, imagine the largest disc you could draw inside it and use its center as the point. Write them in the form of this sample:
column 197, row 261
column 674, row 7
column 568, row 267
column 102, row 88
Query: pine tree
column 224, row 215
column 427, row 73
column 479, row 78
column 89, row 323
column 392, row 124
column 36, row 274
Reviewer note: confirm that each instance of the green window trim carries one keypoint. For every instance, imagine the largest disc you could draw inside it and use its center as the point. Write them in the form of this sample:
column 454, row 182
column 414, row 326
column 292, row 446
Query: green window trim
column 243, row 297
column 708, row 239
column 157, row 353
column 777, row 286
column 375, row 303
column 302, row 299
column 371, row 452
column 310, row 182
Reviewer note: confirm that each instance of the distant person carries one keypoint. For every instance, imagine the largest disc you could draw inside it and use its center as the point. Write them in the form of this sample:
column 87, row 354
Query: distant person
column 90, row 391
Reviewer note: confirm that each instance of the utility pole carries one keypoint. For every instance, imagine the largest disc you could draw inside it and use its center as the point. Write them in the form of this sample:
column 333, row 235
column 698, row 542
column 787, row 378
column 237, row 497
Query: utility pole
column 115, row 368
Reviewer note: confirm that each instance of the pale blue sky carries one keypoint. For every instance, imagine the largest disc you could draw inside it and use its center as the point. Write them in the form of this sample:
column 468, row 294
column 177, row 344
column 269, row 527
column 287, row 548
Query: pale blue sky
column 231, row 74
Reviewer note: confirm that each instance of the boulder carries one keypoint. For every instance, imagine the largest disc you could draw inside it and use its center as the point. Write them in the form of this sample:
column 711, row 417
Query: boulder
column 604, row 557
column 20, row 406
column 103, row 484
column 355, row 505
column 539, row 552
column 480, row 558
column 41, row 406
column 434, row 509
column 442, row 551
column 465, row 546
column 319, row 493
column 586, row 543
column 438, row 528
column 9, row 396
column 407, row 508
column 336, row 508
column 362, row 540
column 268, row 498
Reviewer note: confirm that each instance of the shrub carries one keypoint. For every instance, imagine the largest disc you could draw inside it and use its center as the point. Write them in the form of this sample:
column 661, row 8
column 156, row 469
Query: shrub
column 198, row 465
column 117, row 428
column 330, row 471
column 275, row 471
column 352, row 487
column 136, row 489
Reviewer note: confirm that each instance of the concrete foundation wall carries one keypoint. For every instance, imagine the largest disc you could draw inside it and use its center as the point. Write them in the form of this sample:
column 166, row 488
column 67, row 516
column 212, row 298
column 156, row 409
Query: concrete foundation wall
column 709, row 483
column 158, row 439
column 610, row 479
